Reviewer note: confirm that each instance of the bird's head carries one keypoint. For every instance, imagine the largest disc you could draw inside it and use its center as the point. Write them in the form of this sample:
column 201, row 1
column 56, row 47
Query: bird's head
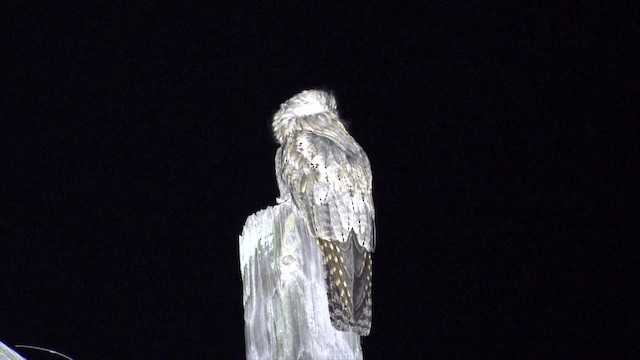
column 304, row 104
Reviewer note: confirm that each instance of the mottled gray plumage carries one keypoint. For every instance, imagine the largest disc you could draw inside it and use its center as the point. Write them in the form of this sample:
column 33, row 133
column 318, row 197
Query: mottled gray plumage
column 327, row 175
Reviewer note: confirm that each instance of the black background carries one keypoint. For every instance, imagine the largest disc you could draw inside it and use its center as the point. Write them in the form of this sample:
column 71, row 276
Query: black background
column 136, row 140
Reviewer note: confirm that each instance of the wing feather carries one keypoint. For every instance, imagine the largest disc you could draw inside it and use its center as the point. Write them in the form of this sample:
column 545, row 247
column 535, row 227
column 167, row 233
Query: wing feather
column 330, row 182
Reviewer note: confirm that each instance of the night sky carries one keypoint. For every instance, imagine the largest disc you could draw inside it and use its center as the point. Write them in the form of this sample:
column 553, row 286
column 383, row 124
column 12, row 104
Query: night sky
column 136, row 140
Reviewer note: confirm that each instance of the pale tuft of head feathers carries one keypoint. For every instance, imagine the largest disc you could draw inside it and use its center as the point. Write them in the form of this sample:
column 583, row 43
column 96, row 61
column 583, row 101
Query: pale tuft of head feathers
column 293, row 113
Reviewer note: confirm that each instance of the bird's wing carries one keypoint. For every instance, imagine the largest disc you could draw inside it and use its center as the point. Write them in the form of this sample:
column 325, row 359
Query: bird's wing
column 330, row 183
column 335, row 188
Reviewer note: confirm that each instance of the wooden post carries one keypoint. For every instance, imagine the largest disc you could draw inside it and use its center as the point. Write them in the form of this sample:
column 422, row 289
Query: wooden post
column 6, row 353
column 284, row 293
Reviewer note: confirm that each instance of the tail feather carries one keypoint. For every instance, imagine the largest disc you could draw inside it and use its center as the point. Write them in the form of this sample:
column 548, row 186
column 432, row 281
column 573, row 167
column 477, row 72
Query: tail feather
column 363, row 304
column 348, row 278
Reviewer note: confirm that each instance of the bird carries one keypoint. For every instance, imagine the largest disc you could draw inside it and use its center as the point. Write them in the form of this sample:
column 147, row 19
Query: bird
column 327, row 175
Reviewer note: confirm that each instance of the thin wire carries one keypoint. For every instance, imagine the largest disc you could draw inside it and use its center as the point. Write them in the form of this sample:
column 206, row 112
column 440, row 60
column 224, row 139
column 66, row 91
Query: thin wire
column 44, row 349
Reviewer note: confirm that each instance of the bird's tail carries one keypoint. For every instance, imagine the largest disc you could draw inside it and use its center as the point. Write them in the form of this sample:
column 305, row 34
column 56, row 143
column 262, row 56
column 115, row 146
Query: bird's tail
column 348, row 278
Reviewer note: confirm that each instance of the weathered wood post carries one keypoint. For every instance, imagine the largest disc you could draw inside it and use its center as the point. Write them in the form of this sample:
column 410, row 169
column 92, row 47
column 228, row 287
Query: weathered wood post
column 6, row 353
column 284, row 293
